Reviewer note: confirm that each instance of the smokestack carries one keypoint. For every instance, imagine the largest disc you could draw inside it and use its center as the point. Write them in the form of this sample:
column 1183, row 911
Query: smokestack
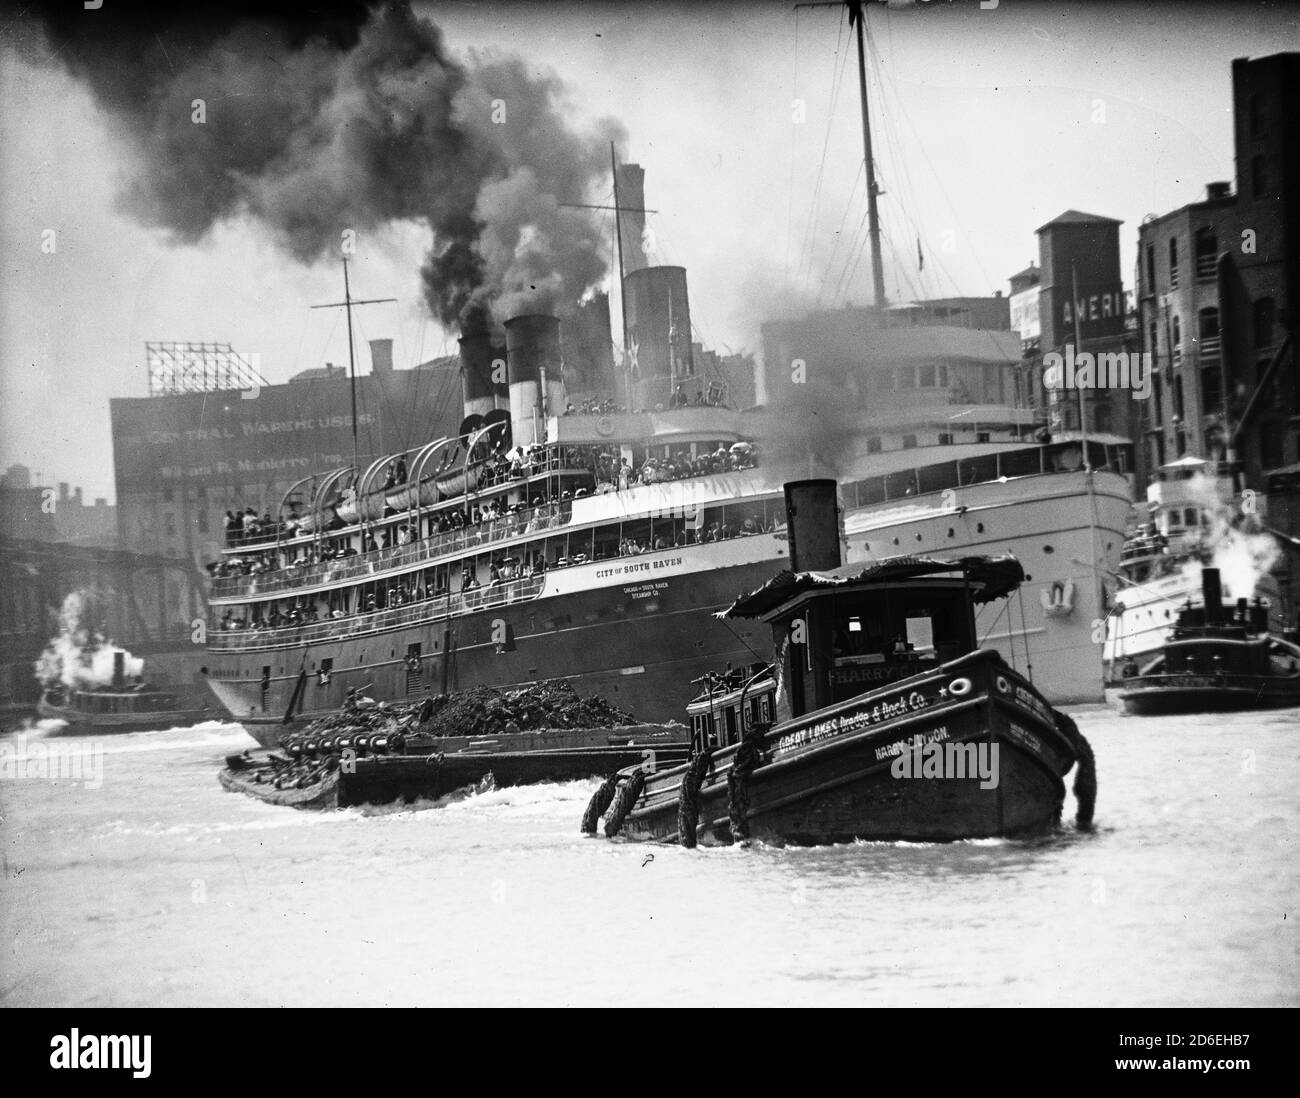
column 381, row 356
column 482, row 357
column 1212, row 592
column 659, row 324
column 119, row 670
column 813, row 525
column 588, row 356
column 631, row 225
column 533, row 357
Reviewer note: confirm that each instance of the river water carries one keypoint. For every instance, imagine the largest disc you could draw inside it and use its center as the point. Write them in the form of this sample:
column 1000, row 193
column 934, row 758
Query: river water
column 144, row 883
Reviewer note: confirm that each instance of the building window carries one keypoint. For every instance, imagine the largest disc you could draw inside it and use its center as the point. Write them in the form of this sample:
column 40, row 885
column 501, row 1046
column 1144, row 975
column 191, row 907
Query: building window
column 1151, row 268
column 1258, row 177
column 1173, row 262
column 981, row 436
column 171, row 525
column 1211, row 390
column 1157, row 415
column 1206, row 253
column 1207, row 323
column 1178, row 342
column 1264, row 318
column 168, row 495
column 1153, row 344
column 1178, row 400
column 945, row 439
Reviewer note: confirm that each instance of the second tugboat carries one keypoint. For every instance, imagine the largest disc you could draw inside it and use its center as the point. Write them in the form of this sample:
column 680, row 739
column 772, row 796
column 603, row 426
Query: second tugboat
column 945, row 742
column 1216, row 659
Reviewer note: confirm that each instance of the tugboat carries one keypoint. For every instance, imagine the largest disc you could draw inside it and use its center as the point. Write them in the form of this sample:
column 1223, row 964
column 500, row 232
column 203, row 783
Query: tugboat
column 880, row 718
column 118, row 707
column 1216, row 659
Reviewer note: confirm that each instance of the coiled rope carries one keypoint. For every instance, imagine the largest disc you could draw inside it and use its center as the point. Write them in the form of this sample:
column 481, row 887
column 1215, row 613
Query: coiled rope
column 746, row 758
column 688, row 800
column 1085, row 771
column 600, row 800
column 628, row 793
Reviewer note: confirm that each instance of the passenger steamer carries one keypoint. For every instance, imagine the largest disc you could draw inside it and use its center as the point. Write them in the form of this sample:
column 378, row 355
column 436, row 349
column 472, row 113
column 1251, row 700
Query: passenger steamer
column 579, row 576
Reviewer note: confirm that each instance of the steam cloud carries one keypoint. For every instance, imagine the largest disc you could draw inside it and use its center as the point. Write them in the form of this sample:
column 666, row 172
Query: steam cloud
column 320, row 123
column 75, row 658
column 1243, row 556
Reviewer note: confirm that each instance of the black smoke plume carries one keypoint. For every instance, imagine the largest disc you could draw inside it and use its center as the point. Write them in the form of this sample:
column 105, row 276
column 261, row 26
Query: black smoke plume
column 327, row 117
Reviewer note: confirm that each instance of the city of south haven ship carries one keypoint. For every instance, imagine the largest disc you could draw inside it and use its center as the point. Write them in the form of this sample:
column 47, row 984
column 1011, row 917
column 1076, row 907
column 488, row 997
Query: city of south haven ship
column 879, row 718
column 595, row 545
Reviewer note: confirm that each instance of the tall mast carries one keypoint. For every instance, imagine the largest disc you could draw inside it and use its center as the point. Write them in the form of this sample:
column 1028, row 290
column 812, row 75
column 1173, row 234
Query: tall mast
column 858, row 21
column 352, row 366
column 856, row 17
column 347, row 304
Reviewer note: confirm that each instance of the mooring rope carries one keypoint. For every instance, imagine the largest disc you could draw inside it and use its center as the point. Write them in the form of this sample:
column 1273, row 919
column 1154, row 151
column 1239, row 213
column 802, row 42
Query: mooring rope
column 628, row 793
column 688, row 800
column 1085, row 771
column 600, row 800
column 746, row 758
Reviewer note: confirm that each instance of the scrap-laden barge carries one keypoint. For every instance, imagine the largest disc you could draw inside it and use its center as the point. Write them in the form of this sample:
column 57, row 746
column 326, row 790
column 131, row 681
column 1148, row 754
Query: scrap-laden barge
column 879, row 719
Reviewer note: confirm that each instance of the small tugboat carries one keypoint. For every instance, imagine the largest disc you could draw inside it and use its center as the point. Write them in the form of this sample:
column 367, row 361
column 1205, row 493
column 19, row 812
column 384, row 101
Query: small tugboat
column 880, row 718
column 1216, row 659
column 118, row 707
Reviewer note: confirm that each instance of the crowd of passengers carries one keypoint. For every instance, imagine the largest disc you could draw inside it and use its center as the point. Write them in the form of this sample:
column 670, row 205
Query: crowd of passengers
column 501, row 570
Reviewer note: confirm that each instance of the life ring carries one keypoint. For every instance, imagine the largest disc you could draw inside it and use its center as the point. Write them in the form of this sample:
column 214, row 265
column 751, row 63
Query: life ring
column 959, row 688
column 605, row 426
column 1003, row 686
column 413, row 664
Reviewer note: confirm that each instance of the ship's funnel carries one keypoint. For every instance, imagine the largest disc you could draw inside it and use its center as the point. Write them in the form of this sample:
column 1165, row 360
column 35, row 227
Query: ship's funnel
column 1212, row 593
column 813, row 525
column 659, row 334
column 536, row 375
column 119, row 669
column 483, row 376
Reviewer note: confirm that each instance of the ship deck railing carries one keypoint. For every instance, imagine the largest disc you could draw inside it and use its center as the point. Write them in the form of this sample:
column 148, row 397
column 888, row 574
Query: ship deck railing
column 377, row 621
column 379, row 561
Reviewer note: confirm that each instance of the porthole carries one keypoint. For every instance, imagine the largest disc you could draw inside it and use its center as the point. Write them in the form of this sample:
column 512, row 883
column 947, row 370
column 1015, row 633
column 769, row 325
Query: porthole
column 895, row 541
column 979, row 527
column 1048, row 549
column 951, row 533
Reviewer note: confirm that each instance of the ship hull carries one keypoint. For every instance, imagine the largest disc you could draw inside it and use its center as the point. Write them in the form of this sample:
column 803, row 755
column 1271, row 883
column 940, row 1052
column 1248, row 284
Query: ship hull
column 81, row 723
column 1152, row 695
column 640, row 635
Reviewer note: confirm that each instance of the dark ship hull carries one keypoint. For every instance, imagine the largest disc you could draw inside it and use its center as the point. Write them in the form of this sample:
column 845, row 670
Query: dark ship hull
column 638, row 644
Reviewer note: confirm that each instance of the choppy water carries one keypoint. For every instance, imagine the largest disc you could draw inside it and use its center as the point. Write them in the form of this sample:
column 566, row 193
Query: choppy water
column 159, row 888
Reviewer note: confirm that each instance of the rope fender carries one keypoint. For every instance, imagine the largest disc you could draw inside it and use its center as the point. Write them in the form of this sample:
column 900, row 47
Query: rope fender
column 1085, row 771
column 600, row 800
column 747, row 757
column 628, row 793
column 688, row 800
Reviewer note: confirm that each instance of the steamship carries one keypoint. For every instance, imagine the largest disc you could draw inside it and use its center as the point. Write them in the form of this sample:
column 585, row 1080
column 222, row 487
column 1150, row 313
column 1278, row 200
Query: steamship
column 583, row 575
column 1161, row 564
column 117, row 706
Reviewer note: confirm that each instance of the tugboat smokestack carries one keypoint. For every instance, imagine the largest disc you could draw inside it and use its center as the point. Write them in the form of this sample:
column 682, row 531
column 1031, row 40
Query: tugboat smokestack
column 813, row 523
column 1212, row 592
column 119, row 669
